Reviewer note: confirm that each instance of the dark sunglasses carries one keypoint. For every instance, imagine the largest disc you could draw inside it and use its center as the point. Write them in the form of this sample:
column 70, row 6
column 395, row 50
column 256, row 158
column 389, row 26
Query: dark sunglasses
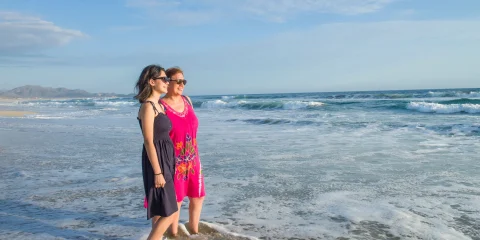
column 164, row 79
column 178, row 81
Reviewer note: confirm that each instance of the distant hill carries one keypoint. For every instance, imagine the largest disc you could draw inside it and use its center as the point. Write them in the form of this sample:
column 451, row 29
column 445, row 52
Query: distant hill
column 33, row 91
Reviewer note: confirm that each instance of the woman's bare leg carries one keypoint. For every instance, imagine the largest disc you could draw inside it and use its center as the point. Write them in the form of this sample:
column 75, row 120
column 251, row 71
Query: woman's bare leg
column 154, row 220
column 159, row 227
column 194, row 211
column 175, row 219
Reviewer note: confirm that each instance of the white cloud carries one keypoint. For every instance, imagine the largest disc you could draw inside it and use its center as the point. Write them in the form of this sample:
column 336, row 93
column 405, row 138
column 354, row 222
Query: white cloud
column 21, row 33
column 201, row 11
column 329, row 57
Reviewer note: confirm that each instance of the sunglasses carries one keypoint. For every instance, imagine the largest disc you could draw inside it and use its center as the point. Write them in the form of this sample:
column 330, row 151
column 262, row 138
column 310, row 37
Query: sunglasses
column 164, row 79
column 179, row 81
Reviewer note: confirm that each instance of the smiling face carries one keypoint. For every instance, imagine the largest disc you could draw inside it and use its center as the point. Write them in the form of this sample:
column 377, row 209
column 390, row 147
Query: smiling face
column 177, row 84
column 152, row 80
column 160, row 83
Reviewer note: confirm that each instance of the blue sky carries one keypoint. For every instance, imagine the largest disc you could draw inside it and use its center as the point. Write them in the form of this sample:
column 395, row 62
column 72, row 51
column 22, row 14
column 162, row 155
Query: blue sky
column 242, row 46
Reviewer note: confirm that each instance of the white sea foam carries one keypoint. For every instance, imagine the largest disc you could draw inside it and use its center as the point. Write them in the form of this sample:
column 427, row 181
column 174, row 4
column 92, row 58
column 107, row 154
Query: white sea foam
column 226, row 232
column 66, row 115
column 428, row 107
column 109, row 109
column 471, row 94
column 290, row 105
column 77, row 103
column 207, row 231
column 402, row 221
column 116, row 103
column 218, row 104
column 301, row 104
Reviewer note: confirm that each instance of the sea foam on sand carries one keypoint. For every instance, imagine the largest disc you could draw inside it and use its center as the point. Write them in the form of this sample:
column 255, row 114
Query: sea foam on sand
column 205, row 231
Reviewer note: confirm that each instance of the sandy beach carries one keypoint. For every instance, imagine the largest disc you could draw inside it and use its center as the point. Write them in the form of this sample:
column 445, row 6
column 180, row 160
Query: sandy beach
column 6, row 99
column 12, row 107
column 14, row 113
column 8, row 112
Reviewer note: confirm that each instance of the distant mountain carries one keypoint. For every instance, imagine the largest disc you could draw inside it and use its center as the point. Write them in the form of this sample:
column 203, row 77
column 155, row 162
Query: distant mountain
column 32, row 91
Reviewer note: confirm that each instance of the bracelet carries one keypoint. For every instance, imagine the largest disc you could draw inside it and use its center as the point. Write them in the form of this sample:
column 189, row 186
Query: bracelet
column 156, row 174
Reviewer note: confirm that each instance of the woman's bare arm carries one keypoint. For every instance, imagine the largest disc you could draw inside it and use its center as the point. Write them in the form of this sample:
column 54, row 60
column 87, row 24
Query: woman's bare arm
column 147, row 115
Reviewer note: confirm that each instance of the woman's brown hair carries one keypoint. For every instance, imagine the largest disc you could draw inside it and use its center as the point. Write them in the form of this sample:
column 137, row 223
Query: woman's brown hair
column 172, row 71
column 143, row 87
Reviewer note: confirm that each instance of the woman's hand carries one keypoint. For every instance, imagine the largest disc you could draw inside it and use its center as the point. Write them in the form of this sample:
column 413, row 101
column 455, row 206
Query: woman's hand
column 159, row 181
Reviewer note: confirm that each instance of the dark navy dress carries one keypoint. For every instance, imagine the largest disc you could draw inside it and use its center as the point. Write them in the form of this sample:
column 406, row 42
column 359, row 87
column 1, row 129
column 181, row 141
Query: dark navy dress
column 160, row 201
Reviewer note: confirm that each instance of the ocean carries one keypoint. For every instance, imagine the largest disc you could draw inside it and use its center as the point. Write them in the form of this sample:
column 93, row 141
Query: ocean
column 340, row 165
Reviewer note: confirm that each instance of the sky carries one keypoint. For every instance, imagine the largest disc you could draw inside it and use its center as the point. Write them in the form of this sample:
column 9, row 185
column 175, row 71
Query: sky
column 242, row 46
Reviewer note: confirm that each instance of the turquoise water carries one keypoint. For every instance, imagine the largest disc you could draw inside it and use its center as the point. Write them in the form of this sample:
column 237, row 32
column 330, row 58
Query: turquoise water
column 357, row 165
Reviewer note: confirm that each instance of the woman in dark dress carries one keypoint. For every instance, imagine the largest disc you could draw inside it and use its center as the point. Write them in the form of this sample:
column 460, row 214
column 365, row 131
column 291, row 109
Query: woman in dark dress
column 158, row 159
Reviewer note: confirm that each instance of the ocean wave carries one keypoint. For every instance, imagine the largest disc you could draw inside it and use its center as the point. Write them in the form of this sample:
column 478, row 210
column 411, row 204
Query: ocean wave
column 382, row 95
column 428, row 101
column 262, row 121
column 444, row 129
column 295, row 122
column 88, row 102
column 462, row 101
column 70, row 114
column 364, row 95
column 456, row 129
column 430, row 107
column 259, row 105
column 406, row 94
column 460, row 94
column 302, row 104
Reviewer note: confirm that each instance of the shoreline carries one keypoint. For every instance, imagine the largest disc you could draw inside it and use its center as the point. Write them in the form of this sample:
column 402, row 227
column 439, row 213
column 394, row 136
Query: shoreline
column 13, row 113
column 8, row 100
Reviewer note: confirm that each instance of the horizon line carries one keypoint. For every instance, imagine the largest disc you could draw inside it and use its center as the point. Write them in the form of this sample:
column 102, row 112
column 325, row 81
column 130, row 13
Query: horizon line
column 223, row 94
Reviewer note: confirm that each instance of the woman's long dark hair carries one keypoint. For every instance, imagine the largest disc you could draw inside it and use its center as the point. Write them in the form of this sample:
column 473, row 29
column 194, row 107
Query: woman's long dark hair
column 143, row 87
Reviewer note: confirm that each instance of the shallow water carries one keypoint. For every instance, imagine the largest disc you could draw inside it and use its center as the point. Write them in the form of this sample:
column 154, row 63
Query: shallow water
column 375, row 165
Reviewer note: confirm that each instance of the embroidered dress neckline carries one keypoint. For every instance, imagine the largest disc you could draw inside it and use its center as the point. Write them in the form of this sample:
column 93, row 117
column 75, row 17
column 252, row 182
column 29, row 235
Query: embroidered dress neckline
column 180, row 114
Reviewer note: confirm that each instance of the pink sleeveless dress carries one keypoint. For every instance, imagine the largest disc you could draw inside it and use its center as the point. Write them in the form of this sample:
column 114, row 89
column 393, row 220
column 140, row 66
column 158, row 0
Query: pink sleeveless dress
column 188, row 179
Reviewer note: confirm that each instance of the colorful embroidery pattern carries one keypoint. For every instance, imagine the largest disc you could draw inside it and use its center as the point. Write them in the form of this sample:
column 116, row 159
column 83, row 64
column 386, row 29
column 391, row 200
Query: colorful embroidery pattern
column 185, row 157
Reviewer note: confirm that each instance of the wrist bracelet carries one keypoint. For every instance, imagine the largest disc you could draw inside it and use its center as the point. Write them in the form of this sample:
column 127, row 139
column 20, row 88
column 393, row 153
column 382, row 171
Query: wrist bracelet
column 156, row 174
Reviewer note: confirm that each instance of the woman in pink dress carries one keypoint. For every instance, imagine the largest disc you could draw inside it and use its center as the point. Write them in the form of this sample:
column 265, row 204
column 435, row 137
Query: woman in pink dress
column 188, row 168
